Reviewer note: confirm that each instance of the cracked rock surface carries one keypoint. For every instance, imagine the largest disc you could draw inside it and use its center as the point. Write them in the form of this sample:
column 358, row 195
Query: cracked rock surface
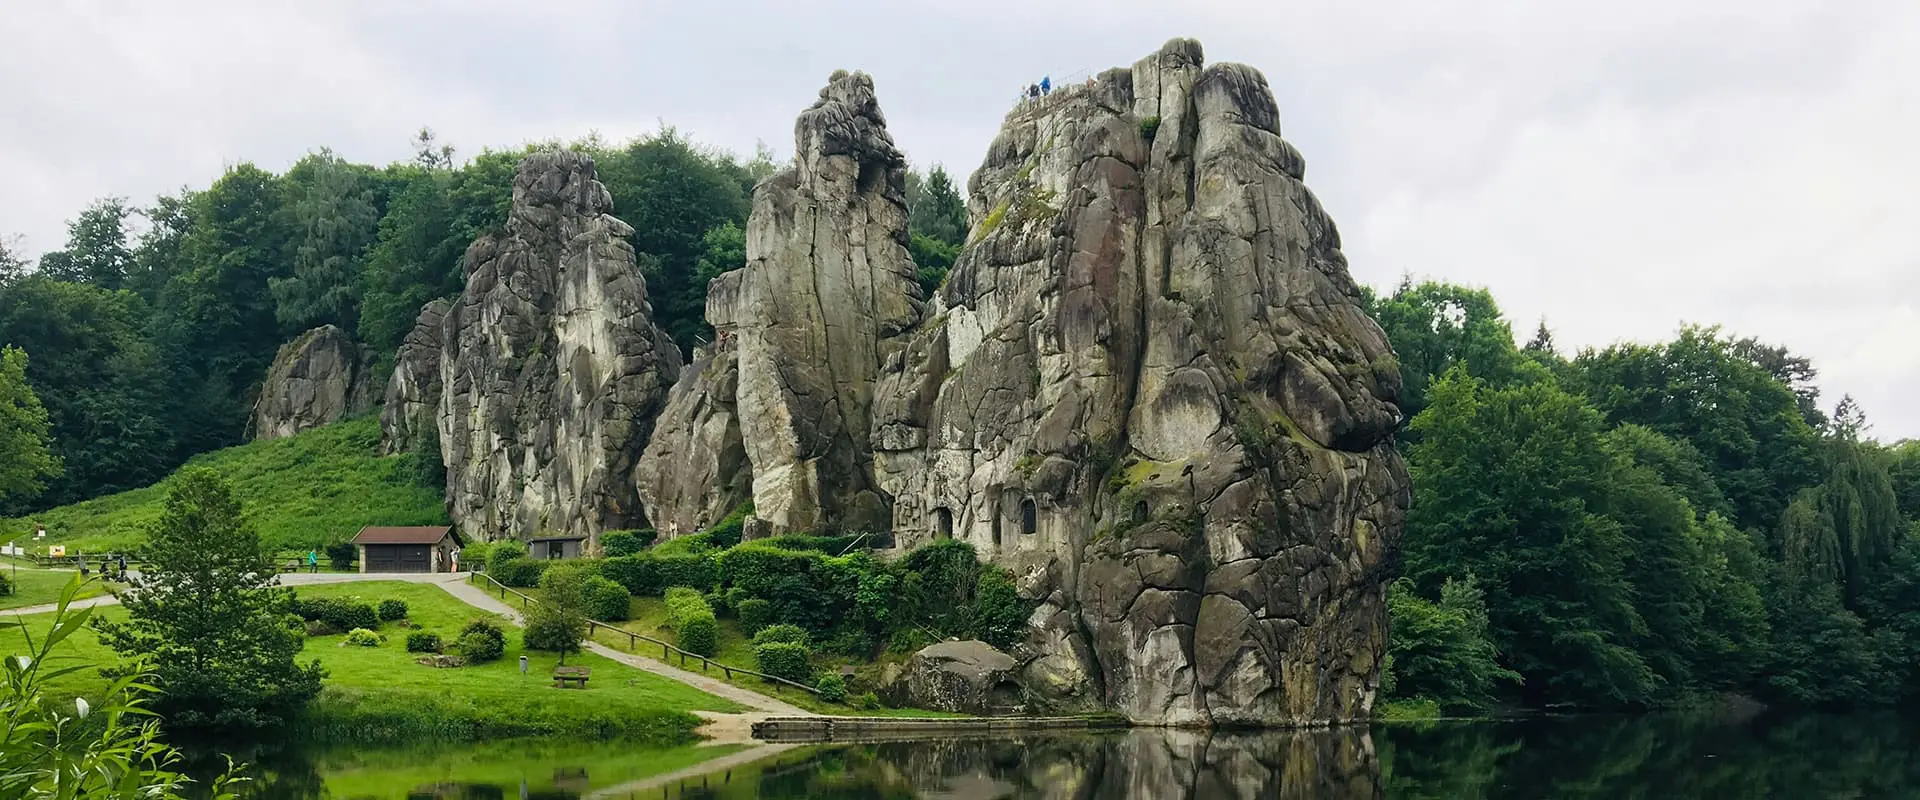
column 319, row 377
column 780, row 405
column 1148, row 389
column 412, row 404
column 551, row 370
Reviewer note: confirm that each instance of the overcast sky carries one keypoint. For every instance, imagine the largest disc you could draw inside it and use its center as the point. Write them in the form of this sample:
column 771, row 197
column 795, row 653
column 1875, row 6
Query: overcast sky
column 1618, row 170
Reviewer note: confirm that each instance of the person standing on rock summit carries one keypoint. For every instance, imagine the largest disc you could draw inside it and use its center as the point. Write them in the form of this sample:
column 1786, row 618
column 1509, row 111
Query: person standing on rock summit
column 1046, row 84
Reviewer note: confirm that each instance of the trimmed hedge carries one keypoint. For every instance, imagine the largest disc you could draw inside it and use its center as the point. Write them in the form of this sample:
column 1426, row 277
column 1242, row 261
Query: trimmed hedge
column 694, row 626
column 754, row 614
column 519, row 572
column 606, row 601
column 781, row 634
column 784, row 660
column 649, row 574
column 423, row 642
column 391, row 610
column 361, row 637
column 626, row 543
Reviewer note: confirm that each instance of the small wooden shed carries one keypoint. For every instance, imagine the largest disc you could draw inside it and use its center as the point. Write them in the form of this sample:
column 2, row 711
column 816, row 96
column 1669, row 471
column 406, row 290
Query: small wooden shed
column 420, row 548
column 571, row 546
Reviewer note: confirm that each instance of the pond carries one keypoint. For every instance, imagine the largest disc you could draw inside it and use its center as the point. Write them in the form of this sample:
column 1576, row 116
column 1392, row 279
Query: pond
column 1666, row 757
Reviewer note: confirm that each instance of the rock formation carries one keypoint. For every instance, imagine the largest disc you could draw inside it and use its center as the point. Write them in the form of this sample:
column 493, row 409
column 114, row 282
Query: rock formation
column 804, row 330
column 551, row 369
column 961, row 677
column 1148, row 388
column 315, row 379
column 412, row 405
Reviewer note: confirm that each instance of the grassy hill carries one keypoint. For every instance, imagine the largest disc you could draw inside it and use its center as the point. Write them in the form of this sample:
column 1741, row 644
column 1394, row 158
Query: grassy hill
column 301, row 492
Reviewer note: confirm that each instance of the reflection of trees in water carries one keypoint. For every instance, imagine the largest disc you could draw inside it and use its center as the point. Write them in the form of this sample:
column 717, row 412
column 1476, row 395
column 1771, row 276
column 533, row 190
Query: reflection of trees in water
column 1136, row 764
column 1800, row 756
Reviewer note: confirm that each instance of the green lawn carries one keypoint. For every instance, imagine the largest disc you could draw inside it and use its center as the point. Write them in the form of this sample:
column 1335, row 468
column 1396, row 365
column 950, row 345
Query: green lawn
column 33, row 587
column 300, row 492
column 378, row 694
column 649, row 618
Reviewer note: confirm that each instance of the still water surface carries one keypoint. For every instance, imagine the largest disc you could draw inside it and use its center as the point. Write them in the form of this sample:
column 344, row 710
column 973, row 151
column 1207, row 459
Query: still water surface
column 1643, row 757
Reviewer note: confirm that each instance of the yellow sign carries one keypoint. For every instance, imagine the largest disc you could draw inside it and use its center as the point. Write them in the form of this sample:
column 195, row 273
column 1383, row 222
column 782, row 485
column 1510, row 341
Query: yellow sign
column 56, row 549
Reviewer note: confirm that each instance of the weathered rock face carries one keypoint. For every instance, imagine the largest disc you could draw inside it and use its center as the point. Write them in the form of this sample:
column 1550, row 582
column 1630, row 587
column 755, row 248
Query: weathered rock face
column 551, row 368
column 315, row 379
column 1149, row 390
column 961, row 677
column 804, row 329
column 412, row 404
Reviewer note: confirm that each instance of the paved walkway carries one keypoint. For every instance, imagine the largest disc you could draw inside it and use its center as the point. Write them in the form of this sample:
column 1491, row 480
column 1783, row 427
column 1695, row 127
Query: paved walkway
column 457, row 586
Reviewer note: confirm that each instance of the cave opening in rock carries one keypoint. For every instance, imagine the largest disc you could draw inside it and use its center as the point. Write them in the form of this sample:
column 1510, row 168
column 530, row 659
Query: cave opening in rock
column 1029, row 517
column 943, row 523
column 1140, row 512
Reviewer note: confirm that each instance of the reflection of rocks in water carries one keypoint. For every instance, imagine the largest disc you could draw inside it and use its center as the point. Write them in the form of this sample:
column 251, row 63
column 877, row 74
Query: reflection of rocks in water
column 1142, row 763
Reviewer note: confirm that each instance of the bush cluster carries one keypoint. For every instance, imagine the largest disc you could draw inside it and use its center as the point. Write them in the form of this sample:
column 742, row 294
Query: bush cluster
column 391, row 610
column 649, row 574
column 606, row 601
column 550, row 632
column 784, row 660
column 6, row 586
column 341, row 555
column 754, row 614
column 694, row 626
column 423, row 642
column 833, row 688
column 481, row 641
column 342, row 613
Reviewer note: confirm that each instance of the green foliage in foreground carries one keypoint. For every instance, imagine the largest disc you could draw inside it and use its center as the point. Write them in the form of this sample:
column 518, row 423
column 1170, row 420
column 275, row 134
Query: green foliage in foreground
column 56, row 746
column 300, row 493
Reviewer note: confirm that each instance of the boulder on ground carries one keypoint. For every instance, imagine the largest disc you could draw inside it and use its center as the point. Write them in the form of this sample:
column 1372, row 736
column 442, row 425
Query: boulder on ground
column 970, row 677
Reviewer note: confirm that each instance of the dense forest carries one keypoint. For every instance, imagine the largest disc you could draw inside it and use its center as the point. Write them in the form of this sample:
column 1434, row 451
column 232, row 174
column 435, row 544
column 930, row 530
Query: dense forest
column 1641, row 525
column 1638, row 526
column 147, row 335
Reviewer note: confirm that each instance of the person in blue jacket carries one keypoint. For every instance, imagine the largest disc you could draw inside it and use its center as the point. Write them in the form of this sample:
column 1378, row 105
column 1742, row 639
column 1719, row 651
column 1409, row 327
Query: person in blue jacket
column 1046, row 84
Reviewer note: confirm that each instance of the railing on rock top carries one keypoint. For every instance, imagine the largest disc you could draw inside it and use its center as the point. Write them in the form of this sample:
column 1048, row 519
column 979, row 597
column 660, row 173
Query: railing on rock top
column 667, row 651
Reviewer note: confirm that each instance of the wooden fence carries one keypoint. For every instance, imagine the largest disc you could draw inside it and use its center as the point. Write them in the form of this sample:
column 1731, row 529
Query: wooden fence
column 667, row 651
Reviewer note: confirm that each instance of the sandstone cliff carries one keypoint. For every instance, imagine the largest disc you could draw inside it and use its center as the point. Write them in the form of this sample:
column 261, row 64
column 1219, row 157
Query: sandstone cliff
column 412, row 404
column 1148, row 388
column 315, row 379
column 551, row 371
column 803, row 331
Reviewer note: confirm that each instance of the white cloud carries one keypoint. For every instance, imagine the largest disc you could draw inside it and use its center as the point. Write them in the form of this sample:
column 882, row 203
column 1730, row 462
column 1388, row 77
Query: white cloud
column 1617, row 169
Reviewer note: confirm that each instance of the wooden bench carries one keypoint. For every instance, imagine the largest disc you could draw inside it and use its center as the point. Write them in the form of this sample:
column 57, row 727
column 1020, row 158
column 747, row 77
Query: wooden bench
column 577, row 676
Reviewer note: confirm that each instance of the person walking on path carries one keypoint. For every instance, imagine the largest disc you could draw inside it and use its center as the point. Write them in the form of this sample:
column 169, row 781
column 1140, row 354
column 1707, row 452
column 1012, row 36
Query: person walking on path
column 313, row 561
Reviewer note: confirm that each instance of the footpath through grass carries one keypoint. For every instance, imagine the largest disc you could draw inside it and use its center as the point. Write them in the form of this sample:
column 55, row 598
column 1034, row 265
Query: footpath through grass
column 378, row 695
column 32, row 587
column 649, row 618
column 300, row 493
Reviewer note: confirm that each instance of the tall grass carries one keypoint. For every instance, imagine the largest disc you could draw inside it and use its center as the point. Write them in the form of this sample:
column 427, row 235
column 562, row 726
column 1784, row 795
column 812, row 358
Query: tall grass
column 301, row 492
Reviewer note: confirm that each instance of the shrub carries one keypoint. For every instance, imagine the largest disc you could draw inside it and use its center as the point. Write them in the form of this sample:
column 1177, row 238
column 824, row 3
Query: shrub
column 6, row 586
column 474, row 555
column 341, row 555
column 833, row 688
column 694, row 626
column 423, row 642
column 830, row 545
column 781, row 634
column 1149, row 127
column 754, row 614
column 342, row 613
column 519, row 572
column 391, row 610
column 625, row 543
column 998, row 616
column 784, row 660
column 606, row 601
column 506, row 550
column 320, row 627
column 867, row 702
column 361, row 637
column 481, row 641
column 551, row 632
